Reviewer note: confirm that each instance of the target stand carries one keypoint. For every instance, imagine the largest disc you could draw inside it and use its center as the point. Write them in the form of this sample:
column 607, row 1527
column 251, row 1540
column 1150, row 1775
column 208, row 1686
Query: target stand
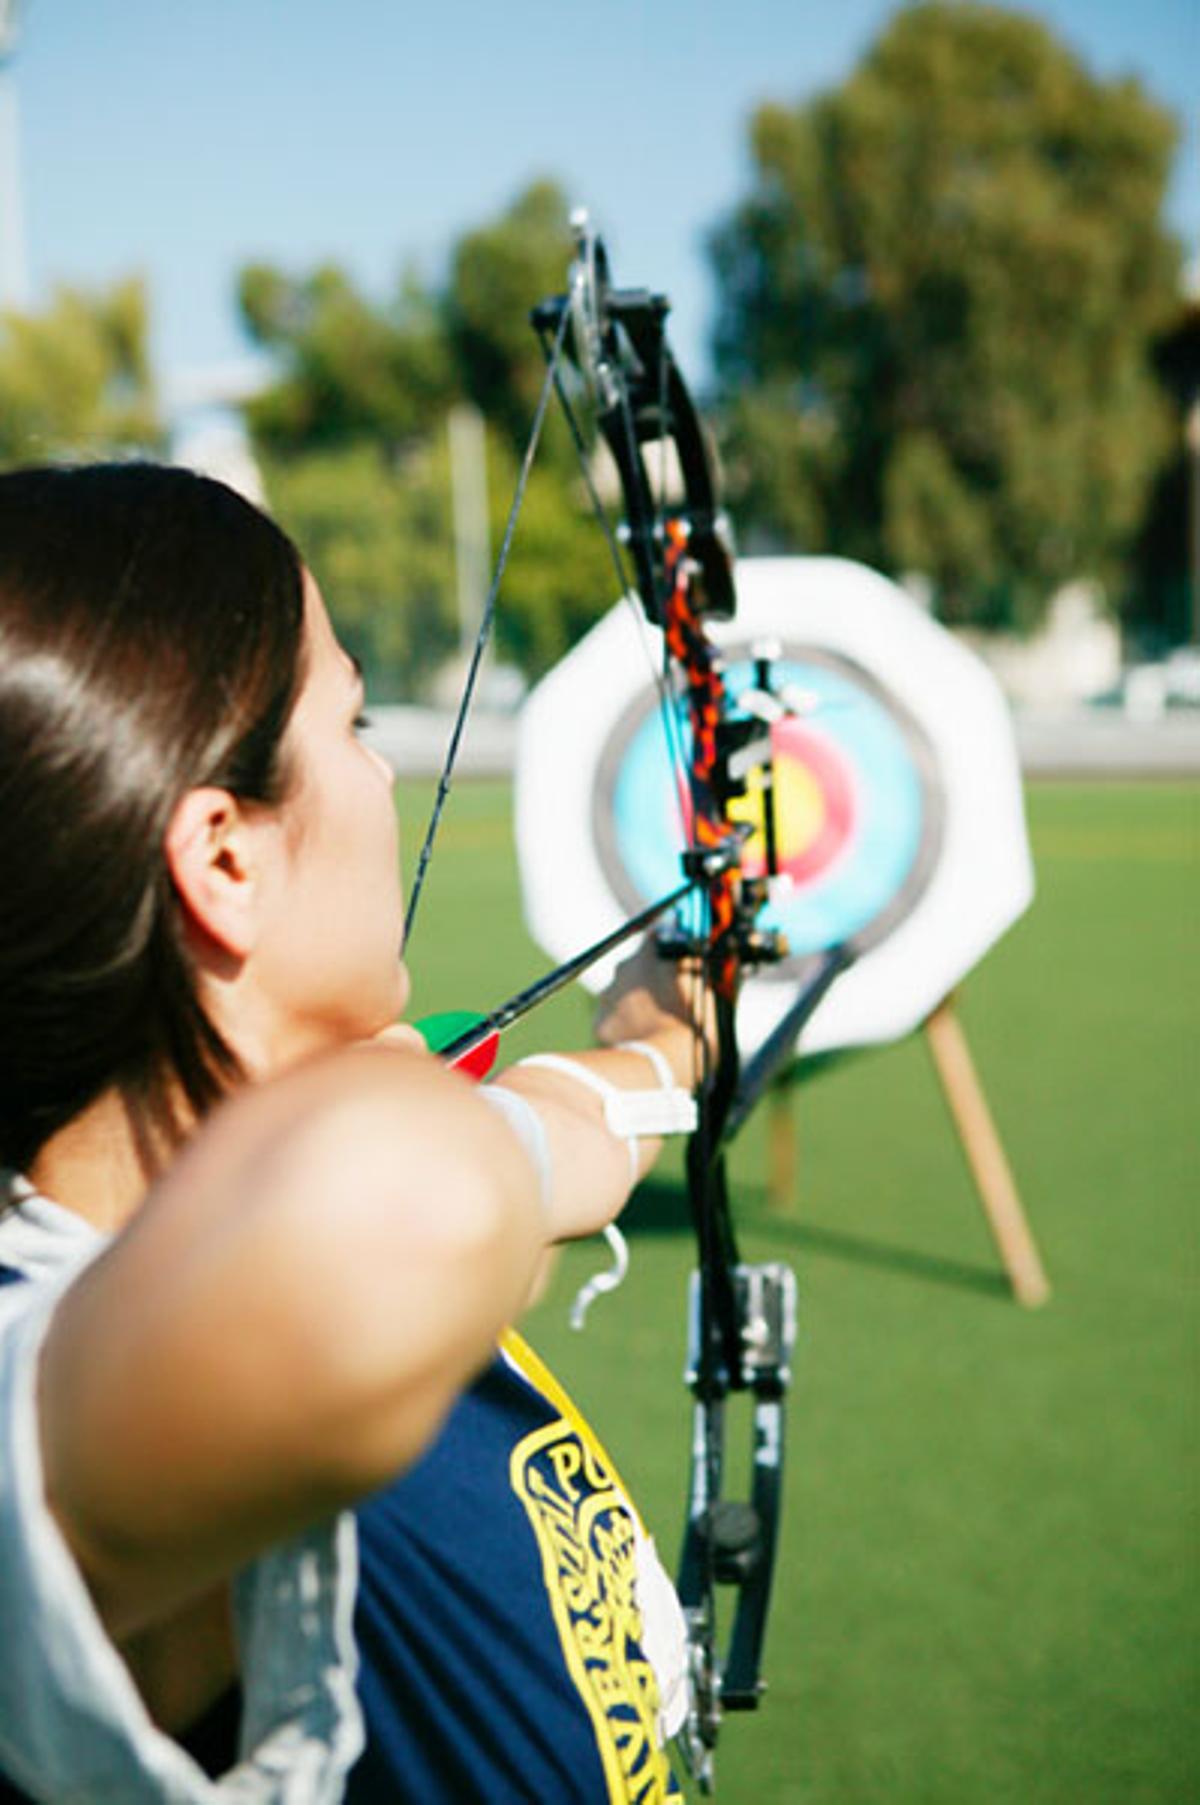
column 978, row 1136
column 899, row 828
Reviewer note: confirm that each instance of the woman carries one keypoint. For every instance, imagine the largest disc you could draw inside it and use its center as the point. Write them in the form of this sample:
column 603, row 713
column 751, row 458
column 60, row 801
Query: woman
column 249, row 1261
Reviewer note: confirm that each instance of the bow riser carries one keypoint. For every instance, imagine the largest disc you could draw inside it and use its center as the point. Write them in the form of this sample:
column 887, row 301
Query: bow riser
column 742, row 1317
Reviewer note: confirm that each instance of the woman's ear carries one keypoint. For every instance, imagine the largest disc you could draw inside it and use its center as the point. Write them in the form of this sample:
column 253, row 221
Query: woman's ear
column 213, row 856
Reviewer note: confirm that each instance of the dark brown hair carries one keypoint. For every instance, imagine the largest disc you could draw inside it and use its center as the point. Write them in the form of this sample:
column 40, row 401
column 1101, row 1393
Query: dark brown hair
column 150, row 640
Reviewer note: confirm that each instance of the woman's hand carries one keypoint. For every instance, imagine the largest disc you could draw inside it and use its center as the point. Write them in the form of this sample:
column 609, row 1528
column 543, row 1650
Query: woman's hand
column 650, row 994
column 663, row 1009
column 400, row 1034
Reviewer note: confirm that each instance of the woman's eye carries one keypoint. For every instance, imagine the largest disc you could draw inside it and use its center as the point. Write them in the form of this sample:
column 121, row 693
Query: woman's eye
column 362, row 723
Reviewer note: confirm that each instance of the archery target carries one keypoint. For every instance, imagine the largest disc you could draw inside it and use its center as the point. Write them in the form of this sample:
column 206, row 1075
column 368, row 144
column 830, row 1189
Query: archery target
column 857, row 815
column 898, row 815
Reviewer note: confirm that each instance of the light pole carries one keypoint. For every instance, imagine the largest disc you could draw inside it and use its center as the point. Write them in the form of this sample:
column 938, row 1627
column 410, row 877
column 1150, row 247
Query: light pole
column 468, row 485
column 14, row 270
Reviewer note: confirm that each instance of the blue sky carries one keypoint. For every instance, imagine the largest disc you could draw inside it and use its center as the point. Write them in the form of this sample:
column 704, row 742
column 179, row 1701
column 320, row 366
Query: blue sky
column 184, row 137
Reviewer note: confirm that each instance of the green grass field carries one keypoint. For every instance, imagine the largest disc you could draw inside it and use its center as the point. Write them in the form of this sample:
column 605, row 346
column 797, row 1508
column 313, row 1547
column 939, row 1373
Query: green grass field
column 989, row 1581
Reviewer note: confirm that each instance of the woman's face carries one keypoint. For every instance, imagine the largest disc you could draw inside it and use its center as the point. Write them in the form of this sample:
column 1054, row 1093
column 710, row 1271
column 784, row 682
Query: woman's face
column 329, row 958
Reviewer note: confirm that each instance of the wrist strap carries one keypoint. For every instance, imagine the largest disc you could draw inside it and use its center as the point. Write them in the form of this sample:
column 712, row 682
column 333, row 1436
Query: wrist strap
column 629, row 1114
column 526, row 1124
column 658, row 1060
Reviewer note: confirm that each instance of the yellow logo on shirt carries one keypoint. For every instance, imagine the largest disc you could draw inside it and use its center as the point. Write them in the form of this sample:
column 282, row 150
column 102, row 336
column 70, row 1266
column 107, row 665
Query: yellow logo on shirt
column 586, row 1538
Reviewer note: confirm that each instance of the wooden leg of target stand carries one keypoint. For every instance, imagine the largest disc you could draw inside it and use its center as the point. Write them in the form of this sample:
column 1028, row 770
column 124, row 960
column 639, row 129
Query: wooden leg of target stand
column 986, row 1157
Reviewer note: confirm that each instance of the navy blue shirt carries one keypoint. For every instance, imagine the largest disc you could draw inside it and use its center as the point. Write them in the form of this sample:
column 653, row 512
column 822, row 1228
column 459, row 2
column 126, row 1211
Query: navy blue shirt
column 496, row 1616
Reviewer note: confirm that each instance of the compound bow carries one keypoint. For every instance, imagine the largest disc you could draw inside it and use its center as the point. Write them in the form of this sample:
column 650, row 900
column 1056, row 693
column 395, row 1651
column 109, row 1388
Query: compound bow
column 742, row 1317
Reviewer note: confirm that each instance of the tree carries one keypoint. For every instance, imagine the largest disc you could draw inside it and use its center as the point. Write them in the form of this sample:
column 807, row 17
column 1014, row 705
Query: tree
column 935, row 308
column 377, row 534
column 1166, row 565
column 497, row 274
column 346, row 438
column 350, row 371
column 351, row 437
column 75, row 378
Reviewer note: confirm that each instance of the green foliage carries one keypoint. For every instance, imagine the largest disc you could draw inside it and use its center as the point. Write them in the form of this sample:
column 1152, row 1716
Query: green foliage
column 75, row 379
column 560, row 579
column 377, row 536
column 352, row 439
column 497, row 274
column 351, row 371
column 1163, row 580
column 936, row 304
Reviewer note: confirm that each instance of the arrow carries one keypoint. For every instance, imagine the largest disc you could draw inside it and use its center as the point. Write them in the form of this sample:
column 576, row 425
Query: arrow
column 463, row 1036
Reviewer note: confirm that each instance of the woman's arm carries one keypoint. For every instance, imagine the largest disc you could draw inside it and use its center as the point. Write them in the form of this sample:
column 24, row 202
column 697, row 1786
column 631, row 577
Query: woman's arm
column 591, row 1172
column 283, row 1324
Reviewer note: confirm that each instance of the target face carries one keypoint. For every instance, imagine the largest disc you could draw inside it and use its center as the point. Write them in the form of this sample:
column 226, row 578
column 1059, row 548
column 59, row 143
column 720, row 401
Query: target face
column 856, row 806
column 897, row 813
